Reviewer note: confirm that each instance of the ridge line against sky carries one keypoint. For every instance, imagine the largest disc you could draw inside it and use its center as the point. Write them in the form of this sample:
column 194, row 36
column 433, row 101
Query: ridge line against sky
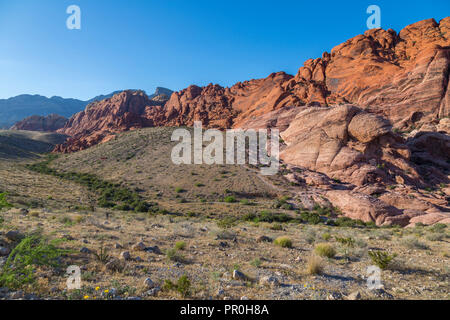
column 146, row 44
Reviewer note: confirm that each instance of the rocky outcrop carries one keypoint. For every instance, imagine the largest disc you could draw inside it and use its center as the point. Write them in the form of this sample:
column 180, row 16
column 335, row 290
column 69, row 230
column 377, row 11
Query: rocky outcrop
column 102, row 119
column 403, row 77
column 50, row 123
column 336, row 117
column 348, row 144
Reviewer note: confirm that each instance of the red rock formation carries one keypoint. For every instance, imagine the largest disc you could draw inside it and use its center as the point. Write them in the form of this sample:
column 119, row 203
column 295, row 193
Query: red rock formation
column 394, row 79
column 101, row 120
column 50, row 123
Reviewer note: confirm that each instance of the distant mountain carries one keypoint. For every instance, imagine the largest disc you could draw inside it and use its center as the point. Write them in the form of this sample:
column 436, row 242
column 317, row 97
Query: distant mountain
column 49, row 123
column 17, row 108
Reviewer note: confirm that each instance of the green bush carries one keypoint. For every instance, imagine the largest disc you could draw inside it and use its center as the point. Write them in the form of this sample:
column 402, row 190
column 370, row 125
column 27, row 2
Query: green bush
column 227, row 222
column 326, row 236
column 3, row 202
column 349, row 241
column 229, row 199
column 111, row 195
column 283, row 242
column 325, row 250
column 19, row 269
column 180, row 245
column 266, row 216
column 381, row 259
column 183, row 286
column 174, row 255
column 310, row 217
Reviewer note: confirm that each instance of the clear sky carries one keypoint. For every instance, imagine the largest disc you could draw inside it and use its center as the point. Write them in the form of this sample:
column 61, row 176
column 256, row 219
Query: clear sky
column 142, row 44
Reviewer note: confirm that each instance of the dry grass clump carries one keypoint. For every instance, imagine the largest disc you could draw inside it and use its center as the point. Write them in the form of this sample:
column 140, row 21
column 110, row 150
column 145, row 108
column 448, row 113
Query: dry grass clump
column 284, row 242
column 314, row 265
column 325, row 250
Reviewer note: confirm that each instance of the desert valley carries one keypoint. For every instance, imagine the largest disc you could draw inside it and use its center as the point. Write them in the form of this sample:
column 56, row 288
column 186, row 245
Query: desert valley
column 364, row 180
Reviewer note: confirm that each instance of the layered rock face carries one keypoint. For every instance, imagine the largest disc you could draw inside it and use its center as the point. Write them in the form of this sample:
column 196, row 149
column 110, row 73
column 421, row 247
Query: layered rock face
column 348, row 144
column 50, row 123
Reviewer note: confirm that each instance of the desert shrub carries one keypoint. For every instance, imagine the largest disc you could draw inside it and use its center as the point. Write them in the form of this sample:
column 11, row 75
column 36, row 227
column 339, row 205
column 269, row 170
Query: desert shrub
column 179, row 190
column 174, row 255
column 435, row 237
column 33, row 251
column 347, row 241
column 325, row 250
column 282, row 203
column 322, row 211
column 382, row 259
column 347, row 222
column 276, row 227
column 183, row 286
column 34, row 214
column 326, row 236
column 229, row 199
column 438, row 227
column 245, row 202
column 310, row 217
column 180, row 245
column 102, row 255
column 283, row 242
column 412, row 242
column 314, row 265
column 3, row 202
column 256, row 262
column 226, row 235
column 266, row 216
column 227, row 222
column 111, row 195
column 66, row 221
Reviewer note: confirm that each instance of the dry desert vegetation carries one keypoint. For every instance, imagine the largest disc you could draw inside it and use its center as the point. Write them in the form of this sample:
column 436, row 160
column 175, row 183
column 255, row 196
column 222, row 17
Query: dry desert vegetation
column 140, row 227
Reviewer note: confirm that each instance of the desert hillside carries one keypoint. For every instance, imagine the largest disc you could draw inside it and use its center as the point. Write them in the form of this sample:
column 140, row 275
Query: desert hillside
column 143, row 228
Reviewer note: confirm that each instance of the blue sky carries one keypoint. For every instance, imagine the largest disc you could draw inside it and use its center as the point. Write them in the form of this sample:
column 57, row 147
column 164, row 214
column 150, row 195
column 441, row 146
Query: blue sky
column 142, row 44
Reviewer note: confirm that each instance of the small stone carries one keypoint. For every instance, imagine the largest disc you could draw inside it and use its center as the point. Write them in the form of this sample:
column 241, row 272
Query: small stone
column 114, row 265
column 14, row 235
column 354, row 296
column 139, row 246
column 153, row 292
column 244, row 298
column 148, row 283
column 17, row 295
column 264, row 239
column 4, row 251
column 154, row 250
column 85, row 250
column 237, row 275
column 125, row 255
column 118, row 246
column 269, row 281
column 220, row 292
